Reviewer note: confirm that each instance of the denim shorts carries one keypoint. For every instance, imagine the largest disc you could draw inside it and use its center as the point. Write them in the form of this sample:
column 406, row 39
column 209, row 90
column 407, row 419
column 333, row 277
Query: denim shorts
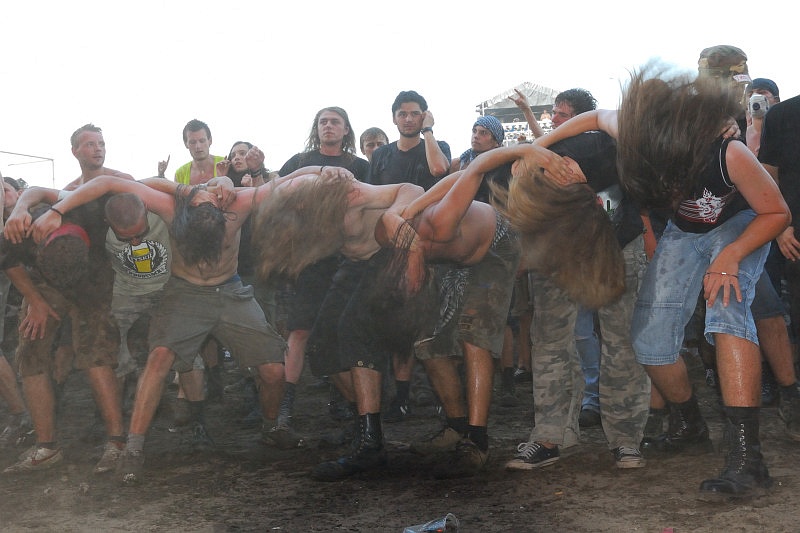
column 673, row 280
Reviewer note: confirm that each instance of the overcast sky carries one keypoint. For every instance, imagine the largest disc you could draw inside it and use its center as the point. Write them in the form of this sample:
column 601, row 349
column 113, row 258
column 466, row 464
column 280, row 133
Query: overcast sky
column 260, row 70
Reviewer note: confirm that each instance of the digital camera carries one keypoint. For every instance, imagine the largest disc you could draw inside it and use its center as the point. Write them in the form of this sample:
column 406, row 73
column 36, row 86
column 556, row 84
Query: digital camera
column 758, row 105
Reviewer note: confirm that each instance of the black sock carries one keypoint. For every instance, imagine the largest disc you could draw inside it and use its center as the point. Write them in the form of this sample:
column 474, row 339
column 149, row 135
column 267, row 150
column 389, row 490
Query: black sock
column 459, row 424
column 790, row 391
column 197, row 411
column 479, row 436
column 508, row 377
column 402, row 389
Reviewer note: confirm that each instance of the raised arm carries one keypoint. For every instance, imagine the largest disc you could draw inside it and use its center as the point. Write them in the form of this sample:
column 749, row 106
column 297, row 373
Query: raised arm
column 438, row 164
column 521, row 102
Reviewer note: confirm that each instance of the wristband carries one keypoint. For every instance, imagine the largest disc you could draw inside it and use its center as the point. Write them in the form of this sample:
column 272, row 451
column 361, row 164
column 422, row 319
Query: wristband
column 57, row 211
column 255, row 173
column 426, row 129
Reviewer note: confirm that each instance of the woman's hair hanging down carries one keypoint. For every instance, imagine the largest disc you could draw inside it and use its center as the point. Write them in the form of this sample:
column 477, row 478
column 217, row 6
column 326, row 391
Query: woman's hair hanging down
column 567, row 236
column 301, row 222
column 667, row 123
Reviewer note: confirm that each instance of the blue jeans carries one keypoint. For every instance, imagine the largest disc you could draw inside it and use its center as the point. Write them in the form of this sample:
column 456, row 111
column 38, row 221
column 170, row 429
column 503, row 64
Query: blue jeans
column 588, row 346
column 673, row 280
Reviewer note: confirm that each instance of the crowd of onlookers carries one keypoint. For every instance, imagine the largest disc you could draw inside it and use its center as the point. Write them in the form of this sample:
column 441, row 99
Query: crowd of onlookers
column 588, row 256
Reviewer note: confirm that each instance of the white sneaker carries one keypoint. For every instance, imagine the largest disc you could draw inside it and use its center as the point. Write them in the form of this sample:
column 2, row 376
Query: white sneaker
column 39, row 458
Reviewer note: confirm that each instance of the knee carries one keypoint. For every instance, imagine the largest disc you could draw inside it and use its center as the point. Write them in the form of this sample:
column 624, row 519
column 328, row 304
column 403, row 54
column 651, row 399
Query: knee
column 160, row 360
column 271, row 373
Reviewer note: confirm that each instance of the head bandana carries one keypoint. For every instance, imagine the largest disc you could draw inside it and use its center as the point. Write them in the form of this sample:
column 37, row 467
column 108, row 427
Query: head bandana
column 492, row 124
column 66, row 229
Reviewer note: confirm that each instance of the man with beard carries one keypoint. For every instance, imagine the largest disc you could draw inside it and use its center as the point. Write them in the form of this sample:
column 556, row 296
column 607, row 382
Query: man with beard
column 203, row 296
column 411, row 159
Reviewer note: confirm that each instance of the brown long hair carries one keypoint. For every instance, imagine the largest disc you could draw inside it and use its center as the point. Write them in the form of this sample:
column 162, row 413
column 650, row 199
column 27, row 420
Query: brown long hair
column 567, row 236
column 667, row 124
column 300, row 223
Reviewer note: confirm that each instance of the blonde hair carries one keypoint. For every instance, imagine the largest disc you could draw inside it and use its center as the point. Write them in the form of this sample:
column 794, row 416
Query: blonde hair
column 567, row 236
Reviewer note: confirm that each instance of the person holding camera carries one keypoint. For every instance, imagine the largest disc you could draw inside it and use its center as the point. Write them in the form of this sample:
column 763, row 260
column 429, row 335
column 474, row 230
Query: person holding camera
column 762, row 94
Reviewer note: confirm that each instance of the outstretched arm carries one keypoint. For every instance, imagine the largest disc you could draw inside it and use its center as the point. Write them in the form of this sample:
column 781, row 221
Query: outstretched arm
column 599, row 119
column 157, row 202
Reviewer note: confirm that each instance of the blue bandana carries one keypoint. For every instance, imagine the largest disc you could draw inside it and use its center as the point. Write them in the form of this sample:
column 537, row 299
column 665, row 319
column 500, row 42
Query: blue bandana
column 492, row 124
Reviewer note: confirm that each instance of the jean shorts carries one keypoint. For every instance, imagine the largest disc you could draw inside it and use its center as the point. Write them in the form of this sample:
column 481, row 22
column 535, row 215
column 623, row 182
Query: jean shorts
column 673, row 280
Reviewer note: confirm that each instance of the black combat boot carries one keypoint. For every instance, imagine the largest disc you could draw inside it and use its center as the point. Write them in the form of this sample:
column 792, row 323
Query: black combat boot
column 745, row 474
column 366, row 453
column 687, row 431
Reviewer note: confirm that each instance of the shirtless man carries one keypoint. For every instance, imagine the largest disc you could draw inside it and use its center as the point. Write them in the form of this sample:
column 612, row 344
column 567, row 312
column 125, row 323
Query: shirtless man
column 454, row 230
column 203, row 296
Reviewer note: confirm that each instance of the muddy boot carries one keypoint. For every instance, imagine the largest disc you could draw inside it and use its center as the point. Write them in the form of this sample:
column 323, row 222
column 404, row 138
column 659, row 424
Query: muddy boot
column 745, row 474
column 367, row 452
column 687, row 431
column 287, row 404
column 654, row 427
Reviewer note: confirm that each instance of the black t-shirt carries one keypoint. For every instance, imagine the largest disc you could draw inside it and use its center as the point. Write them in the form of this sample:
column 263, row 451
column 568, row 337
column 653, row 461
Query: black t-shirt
column 780, row 147
column 596, row 154
column 391, row 165
column 715, row 198
column 500, row 176
column 359, row 167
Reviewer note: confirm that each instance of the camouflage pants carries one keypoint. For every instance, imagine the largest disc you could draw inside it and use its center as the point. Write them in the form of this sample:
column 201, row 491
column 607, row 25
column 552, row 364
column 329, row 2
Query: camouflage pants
column 557, row 377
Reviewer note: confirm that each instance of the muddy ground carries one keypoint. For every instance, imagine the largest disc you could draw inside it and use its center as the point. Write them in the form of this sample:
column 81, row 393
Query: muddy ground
column 246, row 486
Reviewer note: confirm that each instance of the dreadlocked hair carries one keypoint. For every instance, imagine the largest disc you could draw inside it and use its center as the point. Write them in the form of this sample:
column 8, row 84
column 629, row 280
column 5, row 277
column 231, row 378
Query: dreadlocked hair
column 566, row 235
column 300, row 223
column 667, row 122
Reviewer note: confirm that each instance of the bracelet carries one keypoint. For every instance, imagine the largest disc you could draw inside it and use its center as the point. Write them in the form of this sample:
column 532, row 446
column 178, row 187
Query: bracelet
column 255, row 173
column 722, row 274
column 57, row 211
column 426, row 129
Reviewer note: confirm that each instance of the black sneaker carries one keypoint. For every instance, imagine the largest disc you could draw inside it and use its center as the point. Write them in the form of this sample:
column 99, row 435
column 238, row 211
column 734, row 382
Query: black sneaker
column 282, row 437
column 625, row 457
column 17, row 432
column 532, row 455
column 522, row 375
column 130, row 467
column 201, row 441
column 397, row 411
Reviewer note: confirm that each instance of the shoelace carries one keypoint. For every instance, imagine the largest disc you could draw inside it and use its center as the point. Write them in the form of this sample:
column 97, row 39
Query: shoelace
column 526, row 450
column 624, row 450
